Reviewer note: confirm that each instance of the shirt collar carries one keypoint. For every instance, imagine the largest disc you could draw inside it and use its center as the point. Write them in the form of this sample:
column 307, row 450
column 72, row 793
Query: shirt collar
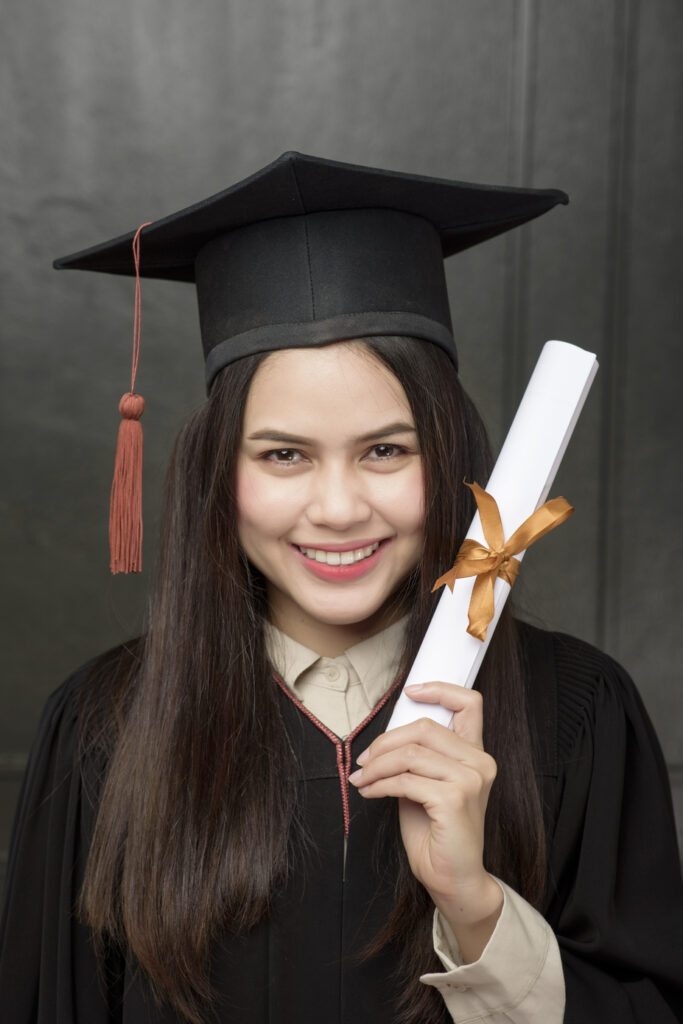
column 376, row 660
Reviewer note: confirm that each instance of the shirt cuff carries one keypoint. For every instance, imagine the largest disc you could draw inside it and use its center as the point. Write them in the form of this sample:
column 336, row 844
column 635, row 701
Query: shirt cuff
column 518, row 978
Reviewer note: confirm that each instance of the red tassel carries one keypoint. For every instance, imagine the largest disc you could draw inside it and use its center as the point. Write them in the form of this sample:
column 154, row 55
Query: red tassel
column 125, row 508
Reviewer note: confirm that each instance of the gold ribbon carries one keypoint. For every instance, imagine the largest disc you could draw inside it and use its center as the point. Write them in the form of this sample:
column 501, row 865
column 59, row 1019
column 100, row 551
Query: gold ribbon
column 488, row 563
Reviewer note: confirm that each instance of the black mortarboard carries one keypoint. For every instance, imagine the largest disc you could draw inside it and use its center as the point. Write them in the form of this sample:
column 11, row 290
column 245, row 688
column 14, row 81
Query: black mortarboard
column 309, row 251
column 304, row 252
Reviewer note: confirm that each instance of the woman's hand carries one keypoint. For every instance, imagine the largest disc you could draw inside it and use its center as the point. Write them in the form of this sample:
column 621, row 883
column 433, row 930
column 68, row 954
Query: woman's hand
column 442, row 778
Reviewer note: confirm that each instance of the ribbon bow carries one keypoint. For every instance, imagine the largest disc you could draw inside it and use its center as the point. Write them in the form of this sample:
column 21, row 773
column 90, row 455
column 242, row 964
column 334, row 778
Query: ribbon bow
column 488, row 563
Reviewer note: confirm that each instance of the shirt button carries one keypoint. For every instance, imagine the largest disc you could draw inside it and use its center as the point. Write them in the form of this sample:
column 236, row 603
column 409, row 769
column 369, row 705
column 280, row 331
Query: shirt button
column 332, row 675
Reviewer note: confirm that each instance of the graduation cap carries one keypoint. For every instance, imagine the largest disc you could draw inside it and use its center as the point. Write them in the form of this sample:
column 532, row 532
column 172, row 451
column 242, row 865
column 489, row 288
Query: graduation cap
column 309, row 251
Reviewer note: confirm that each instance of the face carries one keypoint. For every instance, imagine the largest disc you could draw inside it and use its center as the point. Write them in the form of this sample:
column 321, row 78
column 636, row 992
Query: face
column 330, row 491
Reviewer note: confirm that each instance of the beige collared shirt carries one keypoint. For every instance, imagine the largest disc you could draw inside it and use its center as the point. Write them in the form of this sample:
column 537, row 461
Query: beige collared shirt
column 339, row 691
column 518, row 978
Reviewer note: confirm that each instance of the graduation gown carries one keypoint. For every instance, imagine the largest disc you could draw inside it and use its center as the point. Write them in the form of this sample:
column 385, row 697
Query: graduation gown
column 615, row 899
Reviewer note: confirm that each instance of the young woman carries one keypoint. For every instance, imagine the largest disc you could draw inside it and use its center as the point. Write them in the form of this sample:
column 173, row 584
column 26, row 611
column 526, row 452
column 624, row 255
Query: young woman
column 214, row 824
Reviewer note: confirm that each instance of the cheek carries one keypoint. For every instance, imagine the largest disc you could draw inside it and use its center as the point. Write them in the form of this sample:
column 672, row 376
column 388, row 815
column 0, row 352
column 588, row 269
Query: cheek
column 404, row 502
column 262, row 507
column 253, row 518
column 417, row 490
column 246, row 495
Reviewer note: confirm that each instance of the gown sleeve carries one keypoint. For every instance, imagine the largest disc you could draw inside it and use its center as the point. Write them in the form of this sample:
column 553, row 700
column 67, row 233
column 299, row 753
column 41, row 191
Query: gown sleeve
column 48, row 968
column 615, row 891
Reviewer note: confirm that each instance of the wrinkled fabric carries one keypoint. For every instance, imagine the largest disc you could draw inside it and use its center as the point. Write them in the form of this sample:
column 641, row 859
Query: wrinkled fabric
column 614, row 892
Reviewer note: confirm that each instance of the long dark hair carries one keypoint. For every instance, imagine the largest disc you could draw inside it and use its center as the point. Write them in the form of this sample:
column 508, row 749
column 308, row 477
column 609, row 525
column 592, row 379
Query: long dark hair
column 193, row 695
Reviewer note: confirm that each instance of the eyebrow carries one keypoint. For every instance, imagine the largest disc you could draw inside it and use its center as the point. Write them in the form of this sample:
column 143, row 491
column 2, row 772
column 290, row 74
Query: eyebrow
column 273, row 434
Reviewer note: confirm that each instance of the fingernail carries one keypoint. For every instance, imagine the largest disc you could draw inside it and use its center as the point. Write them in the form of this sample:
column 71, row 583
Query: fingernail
column 355, row 776
column 362, row 758
column 414, row 687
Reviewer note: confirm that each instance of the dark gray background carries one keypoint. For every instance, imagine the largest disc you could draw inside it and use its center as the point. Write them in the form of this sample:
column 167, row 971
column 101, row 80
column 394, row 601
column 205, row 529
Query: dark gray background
column 115, row 113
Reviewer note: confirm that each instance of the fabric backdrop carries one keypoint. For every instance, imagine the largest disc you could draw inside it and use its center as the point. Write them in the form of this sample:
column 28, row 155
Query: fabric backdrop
column 117, row 113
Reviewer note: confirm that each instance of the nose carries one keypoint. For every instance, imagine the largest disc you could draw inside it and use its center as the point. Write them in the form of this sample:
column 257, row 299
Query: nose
column 338, row 498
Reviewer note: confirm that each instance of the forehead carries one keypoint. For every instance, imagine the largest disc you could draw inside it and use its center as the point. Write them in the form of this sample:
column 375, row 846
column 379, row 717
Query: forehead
column 334, row 385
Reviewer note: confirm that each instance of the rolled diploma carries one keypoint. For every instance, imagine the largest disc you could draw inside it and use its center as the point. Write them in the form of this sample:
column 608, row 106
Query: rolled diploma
column 520, row 481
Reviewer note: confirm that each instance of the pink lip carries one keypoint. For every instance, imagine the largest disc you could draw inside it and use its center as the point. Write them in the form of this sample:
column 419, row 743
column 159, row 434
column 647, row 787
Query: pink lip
column 342, row 573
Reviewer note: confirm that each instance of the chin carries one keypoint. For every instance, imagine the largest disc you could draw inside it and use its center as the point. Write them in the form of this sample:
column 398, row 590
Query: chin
column 352, row 614
column 343, row 618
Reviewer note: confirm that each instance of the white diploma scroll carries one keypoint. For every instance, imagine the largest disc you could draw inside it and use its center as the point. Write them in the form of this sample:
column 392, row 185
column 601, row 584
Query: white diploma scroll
column 520, row 482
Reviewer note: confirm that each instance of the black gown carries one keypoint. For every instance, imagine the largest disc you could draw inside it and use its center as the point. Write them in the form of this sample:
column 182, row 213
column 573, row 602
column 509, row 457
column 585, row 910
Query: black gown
column 615, row 898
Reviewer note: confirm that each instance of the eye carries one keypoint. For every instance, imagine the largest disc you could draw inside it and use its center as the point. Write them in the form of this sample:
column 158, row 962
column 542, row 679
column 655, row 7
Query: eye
column 283, row 456
column 386, row 451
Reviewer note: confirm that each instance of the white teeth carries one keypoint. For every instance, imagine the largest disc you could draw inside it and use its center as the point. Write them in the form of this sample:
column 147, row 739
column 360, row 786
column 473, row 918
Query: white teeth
column 339, row 557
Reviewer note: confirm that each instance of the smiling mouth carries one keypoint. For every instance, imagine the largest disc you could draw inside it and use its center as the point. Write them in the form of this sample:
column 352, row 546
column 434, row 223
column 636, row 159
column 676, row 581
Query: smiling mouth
column 339, row 557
